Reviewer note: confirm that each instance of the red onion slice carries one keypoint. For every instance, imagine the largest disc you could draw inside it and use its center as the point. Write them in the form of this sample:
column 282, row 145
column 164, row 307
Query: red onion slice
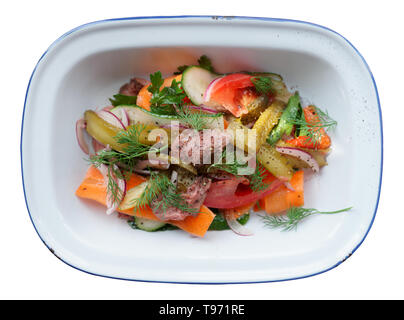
column 97, row 146
column 237, row 227
column 80, row 135
column 125, row 117
column 107, row 172
column 108, row 108
column 302, row 155
column 109, row 117
column 289, row 186
column 208, row 92
column 202, row 107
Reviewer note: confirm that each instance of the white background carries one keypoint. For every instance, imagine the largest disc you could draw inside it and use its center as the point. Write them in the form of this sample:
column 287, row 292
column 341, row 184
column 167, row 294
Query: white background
column 29, row 271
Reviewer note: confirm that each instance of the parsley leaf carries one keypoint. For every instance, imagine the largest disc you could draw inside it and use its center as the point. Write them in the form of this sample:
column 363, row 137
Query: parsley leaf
column 170, row 101
column 169, row 95
column 121, row 99
column 181, row 69
column 157, row 81
column 162, row 101
column 203, row 62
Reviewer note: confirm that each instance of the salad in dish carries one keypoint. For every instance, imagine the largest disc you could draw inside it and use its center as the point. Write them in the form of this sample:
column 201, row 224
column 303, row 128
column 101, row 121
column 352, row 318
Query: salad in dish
column 201, row 151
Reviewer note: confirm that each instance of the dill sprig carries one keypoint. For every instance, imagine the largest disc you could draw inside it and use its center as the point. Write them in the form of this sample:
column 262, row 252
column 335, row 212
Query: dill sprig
column 233, row 167
column 113, row 190
column 131, row 139
column 112, row 174
column 133, row 149
column 312, row 129
column 293, row 217
column 263, row 84
column 109, row 159
column 257, row 179
column 160, row 187
column 154, row 187
column 196, row 120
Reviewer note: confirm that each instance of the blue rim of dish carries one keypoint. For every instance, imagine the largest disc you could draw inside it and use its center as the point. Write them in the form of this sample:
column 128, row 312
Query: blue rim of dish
column 215, row 18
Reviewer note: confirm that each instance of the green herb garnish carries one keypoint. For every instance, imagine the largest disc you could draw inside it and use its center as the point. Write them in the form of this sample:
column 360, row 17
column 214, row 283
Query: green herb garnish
column 160, row 186
column 170, row 101
column 156, row 81
column 196, row 120
column 112, row 187
column 163, row 101
column 257, row 180
column 293, row 216
column 131, row 139
column 219, row 222
column 263, row 84
column 127, row 159
column 203, row 62
column 231, row 167
column 133, row 149
column 234, row 167
column 121, row 99
column 312, row 130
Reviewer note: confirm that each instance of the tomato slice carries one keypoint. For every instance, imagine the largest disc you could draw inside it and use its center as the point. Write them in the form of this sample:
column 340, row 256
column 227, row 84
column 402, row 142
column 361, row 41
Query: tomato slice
column 231, row 193
column 224, row 91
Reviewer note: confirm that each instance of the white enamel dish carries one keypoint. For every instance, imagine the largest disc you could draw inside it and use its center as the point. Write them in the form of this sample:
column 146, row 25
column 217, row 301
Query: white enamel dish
column 89, row 64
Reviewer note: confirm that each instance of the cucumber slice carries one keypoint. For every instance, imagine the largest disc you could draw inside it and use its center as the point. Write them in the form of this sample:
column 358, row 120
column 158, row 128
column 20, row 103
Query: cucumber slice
column 195, row 81
column 147, row 224
column 140, row 115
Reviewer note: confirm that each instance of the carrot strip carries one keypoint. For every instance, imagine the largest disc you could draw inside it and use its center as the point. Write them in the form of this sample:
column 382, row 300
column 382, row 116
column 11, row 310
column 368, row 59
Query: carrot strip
column 196, row 225
column 225, row 123
column 93, row 187
column 259, row 205
column 284, row 198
